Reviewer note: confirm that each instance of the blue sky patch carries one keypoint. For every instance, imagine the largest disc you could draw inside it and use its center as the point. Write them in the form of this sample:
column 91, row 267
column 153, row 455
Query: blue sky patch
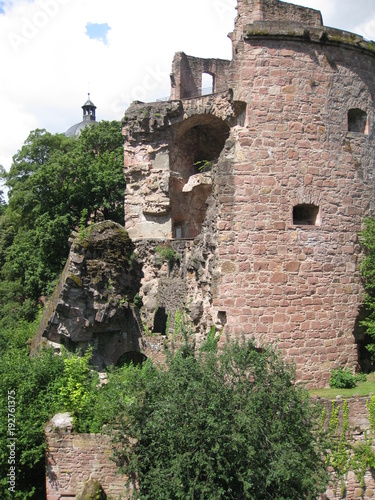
column 2, row 5
column 97, row 31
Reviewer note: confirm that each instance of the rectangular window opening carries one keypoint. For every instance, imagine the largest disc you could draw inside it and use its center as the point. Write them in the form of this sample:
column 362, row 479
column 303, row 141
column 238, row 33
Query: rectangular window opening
column 306, row 214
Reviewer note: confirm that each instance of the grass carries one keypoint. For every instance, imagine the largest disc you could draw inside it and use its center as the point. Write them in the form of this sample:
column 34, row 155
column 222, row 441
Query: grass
column 362, row 389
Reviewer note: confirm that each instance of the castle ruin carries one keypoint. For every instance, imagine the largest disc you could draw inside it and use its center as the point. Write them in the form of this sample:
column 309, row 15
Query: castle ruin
column 261, row 185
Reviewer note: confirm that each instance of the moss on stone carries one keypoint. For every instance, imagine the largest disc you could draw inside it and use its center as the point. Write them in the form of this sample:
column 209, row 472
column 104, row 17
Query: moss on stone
column 93, row 491
column 76, row 280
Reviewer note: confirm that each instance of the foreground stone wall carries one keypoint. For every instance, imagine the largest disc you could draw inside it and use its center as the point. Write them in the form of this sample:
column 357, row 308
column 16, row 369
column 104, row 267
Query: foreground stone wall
column 72, row 459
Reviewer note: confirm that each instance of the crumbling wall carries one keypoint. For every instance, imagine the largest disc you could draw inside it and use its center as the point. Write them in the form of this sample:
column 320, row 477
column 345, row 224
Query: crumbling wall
column 187, row 71
column 163, row 141
column 290, row 188
column 176, row 288
column 147, row 168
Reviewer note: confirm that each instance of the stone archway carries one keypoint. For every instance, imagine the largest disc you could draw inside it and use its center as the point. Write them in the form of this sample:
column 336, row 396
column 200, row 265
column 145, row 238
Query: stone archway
column 198, row 143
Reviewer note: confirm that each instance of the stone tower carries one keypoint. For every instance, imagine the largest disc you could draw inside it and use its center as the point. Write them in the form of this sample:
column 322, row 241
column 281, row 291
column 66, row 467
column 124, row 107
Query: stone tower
column 261, row 186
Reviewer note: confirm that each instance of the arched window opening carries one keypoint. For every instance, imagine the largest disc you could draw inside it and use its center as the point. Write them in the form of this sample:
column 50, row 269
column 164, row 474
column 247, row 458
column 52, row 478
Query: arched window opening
column 357, row 121
column 208, row 81
column 134, row 357
column 306, row 215
column 195, row 150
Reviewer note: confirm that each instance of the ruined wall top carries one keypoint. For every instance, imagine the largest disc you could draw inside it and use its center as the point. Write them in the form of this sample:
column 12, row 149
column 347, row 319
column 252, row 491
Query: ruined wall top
column 275, row 19
column 250, row 11
column 272, row 11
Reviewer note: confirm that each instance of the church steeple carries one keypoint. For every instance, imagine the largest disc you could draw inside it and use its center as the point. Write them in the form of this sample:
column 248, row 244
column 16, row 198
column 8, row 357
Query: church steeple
column 89, row 110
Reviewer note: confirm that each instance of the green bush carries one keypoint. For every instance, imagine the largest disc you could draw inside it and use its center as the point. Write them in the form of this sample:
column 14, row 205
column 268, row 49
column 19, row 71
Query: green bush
column 168, row 253
column 218, row 425
column 342, row 379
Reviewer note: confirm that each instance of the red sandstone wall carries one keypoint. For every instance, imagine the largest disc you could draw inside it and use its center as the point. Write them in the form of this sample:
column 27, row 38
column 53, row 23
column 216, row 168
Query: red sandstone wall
column 187, row 73
column 297, row 285
column 281, row 282
column 250, row 11
column 72, row 459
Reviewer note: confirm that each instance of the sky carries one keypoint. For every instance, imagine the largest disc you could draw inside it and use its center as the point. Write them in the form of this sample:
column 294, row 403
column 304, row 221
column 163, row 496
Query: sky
column 53, row 52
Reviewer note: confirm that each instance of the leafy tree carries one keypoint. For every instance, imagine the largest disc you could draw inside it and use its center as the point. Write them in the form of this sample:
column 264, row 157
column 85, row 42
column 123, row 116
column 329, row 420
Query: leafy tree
column 219, row 425
column 2, row 196
column 53, row 181
column 34, row 383
column 78, row 389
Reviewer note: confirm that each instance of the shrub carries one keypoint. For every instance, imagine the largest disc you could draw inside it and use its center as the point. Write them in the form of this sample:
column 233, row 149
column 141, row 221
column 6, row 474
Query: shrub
column 342, row 379
column 219, row 425
column 168, row 254
column 367, row 239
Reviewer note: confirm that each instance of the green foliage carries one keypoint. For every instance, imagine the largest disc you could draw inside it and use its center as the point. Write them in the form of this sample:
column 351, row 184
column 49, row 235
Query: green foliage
column 168, row 253
column 367, row 239
column 56, row 184
column 78, row 389
column 219, row 425
column 371, row 413
column 363, row 459
column 35, row 382
column 137, row 301
column 344, row 379
column 178, row 322
column 43, row 386
column 343, row 455
column 211, row 341
column 339, row 449
column 203, row 166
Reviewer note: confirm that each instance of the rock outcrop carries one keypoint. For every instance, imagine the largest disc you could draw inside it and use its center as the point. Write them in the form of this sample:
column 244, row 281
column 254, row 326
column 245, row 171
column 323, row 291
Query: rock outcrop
column 93, row 302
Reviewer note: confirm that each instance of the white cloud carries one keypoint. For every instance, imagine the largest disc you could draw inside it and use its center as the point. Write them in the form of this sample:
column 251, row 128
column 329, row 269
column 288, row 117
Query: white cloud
column 49, row 63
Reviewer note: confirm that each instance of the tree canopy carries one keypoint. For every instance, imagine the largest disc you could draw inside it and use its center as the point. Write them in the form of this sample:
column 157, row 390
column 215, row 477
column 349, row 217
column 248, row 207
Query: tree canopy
column 219, row 425
column 55, row 184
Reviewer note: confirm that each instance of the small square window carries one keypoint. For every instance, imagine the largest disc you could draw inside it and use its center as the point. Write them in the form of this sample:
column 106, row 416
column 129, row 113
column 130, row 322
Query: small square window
column 306, row 215
column 357, row 121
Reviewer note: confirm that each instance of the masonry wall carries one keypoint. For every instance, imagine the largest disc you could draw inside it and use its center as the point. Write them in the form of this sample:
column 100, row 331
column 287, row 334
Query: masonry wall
column 186, row 76
column 297, row 285
column 293, row 86
column 73, row 459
